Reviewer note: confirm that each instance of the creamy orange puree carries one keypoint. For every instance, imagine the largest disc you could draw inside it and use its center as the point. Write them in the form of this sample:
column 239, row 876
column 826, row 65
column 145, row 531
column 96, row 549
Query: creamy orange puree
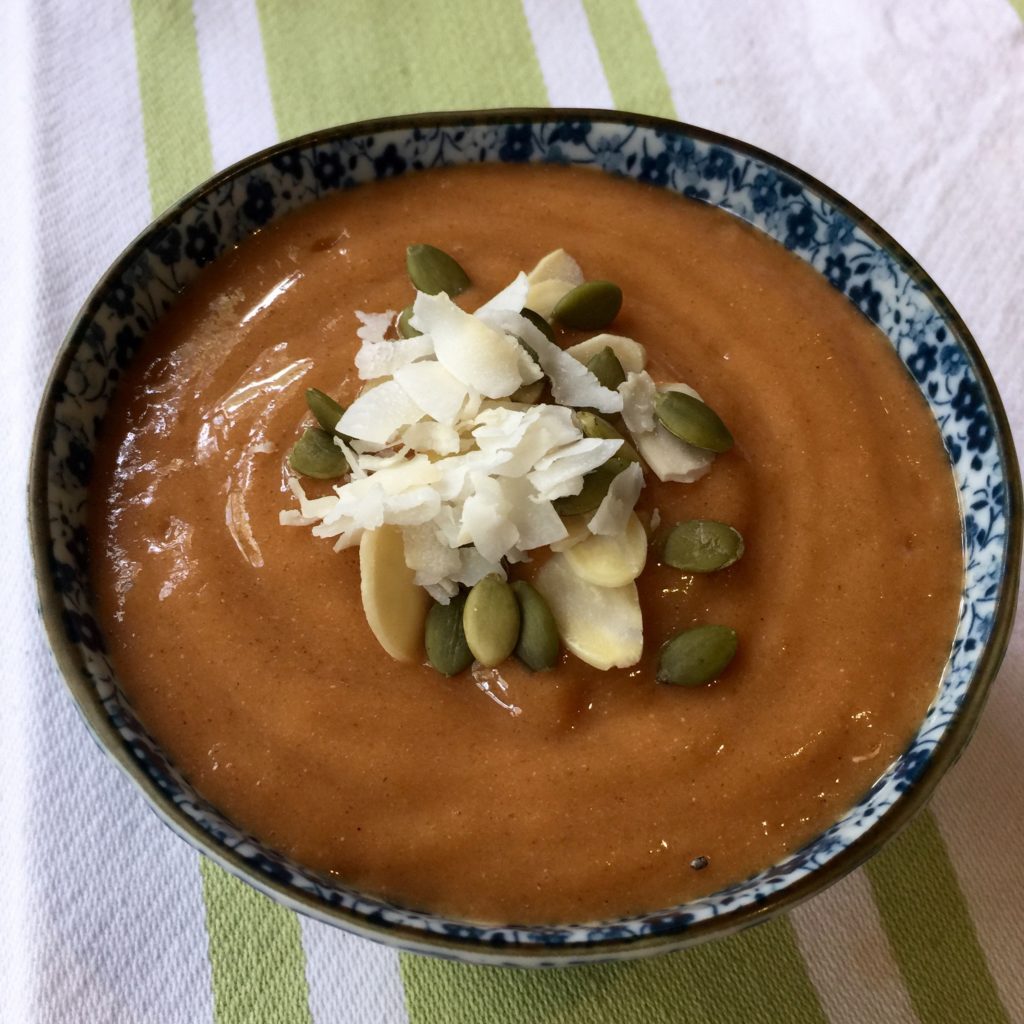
column 243, row 647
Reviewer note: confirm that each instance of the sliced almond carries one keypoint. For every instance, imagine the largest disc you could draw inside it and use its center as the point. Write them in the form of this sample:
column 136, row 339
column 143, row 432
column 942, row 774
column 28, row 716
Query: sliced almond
column 669, row 458
column 611, row 561
column 557, row 265
column 631, row 354
column 545, row 295
column 395, row 607
column 602, row 626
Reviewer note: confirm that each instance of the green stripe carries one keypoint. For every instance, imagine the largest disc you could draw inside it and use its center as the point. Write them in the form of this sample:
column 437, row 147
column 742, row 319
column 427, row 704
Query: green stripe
column 171, row 89
column 1018, row 6
column 631, row 64
column 757, row 976
column 257, row 963
column 256, row 955
column 929, row 926
column 328, row 63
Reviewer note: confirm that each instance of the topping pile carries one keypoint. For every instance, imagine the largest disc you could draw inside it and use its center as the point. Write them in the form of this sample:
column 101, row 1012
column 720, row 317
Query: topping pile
column 476, row 440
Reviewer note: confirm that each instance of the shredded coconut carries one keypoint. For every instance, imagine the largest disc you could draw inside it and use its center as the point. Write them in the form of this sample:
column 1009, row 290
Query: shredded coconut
column 437, row 447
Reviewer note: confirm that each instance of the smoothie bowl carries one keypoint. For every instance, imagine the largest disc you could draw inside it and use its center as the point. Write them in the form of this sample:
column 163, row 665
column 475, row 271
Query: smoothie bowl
column 579, row 633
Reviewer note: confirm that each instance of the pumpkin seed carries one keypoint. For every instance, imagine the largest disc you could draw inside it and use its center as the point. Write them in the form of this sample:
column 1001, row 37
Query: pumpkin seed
column 326, row 410
column 539, row 322
column 528, row 394
column 315, row 454
column 491, row 620
column 702, row 545
column 697, row 655
column 593, row 425
column 538, row 647
column 589, row 306
column 692, row 421
column 605, row 366
column 445, row 638
column 433, row 271
column 406, row 329
column 595, row 487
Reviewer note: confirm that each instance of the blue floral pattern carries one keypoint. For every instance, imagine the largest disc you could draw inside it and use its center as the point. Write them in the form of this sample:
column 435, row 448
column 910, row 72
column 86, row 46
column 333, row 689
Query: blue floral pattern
column 840, row 244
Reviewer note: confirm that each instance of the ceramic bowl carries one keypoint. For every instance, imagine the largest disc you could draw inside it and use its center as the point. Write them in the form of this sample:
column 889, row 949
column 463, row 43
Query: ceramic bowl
column 838, row 241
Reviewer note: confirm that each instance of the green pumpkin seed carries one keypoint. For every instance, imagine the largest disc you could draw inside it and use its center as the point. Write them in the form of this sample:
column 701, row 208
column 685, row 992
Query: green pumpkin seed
column 491, row 621
column 326, row 410
column 692, row 421
column 433, row 271
column 702, row 545
column 445, row 638
column 538, row 647
column 593, row 425
column 406, row 329
column 528, row 394
column 595, row 487
column 605, row 366
column 539, row 322
column 315, row 454
column 590, row 306
column 697, row 655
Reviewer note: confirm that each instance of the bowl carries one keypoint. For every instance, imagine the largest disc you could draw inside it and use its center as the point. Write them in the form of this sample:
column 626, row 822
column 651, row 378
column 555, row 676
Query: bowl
column 837, row 240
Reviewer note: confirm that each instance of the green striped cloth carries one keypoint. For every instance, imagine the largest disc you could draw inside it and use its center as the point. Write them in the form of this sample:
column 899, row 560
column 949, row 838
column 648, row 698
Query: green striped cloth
column 122, row 108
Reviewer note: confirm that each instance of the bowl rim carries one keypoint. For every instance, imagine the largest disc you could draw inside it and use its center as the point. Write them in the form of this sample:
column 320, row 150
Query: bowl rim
column 898, row 816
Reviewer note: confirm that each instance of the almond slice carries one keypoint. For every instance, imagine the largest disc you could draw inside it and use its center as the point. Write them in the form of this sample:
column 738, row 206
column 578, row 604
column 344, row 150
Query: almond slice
column 611, row 561
column 545, row 295
column 395, row 607
column 631, row 354
column 669, row 458
column 557, row 264
column 602, row 626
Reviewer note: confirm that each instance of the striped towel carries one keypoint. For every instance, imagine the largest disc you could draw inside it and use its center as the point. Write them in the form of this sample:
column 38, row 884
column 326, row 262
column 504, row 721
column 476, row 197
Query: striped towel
column 110, row 110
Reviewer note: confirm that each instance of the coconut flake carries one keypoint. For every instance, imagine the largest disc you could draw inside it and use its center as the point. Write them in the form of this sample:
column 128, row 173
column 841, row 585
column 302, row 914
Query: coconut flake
column 427, row 554
column 511, row 297
column 485, row 519
column 374, row 326
column 561, row 473
column 378, row 414
column 469, row 349
column 572, row 383
column 535, row 518
column 440, row 395
column 524, row 436
column 377, row 359
column 475, row 567
column 637, row 392
column 614, row 511
column 312, row 509
column 442, row 592
column 428, row 436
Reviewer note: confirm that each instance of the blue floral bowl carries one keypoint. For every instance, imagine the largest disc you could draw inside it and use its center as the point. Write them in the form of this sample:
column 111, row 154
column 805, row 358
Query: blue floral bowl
column 838, row 241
